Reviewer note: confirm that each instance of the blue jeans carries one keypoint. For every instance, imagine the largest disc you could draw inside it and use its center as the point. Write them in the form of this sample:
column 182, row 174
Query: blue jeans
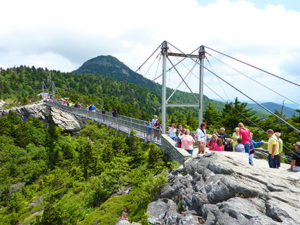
column 251, row 159
column 247, row 148
column 272, row 162
column 174, row 138
column 189, row 151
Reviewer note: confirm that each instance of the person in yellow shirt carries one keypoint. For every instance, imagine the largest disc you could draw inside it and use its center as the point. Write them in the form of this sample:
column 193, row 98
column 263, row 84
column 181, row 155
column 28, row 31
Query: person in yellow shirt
column 273, row 148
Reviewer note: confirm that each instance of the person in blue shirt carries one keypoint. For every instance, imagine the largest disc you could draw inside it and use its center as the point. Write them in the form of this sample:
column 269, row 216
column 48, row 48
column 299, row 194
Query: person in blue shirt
column 149, row 130
column 252, row 145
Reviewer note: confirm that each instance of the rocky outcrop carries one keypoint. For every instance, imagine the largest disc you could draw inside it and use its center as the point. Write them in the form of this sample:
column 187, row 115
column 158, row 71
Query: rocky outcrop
column 48, row 114
column 222, row 188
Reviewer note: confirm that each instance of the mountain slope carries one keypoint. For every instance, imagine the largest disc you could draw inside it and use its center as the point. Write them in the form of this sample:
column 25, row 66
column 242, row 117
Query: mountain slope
column 112, row 67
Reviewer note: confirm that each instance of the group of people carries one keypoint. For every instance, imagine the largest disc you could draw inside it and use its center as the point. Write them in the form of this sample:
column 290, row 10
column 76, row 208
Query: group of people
column 153, row 129
column 240, row 141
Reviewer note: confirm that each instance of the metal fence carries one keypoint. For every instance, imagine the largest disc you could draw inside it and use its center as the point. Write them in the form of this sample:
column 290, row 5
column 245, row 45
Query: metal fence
column 120, row 123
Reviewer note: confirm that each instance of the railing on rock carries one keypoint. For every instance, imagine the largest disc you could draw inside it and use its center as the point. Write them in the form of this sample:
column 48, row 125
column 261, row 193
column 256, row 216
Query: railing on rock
column 121, row 123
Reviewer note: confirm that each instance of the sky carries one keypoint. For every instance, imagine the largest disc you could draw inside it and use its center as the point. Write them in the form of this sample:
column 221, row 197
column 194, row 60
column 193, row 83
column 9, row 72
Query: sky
column 62, row 34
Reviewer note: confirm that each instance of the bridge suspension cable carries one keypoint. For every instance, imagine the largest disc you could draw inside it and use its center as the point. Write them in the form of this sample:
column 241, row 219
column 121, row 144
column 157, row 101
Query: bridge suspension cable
column 255, row 67
column 231, row 85
column 256, row 81
column 148, row 58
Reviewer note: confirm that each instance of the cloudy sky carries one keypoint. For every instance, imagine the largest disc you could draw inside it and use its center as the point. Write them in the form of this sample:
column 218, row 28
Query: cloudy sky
column 62, row 34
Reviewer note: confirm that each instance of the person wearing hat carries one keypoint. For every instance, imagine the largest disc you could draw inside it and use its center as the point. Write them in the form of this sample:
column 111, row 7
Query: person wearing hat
column 295, row 164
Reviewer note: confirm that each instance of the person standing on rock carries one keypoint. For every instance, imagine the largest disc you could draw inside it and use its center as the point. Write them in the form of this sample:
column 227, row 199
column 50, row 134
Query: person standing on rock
column 295, row 164
column 280, row 147
column 187, row 142
column 244, row 135
column 201, row 137
column 252, row 151
column 235, row 136
column 272, row 148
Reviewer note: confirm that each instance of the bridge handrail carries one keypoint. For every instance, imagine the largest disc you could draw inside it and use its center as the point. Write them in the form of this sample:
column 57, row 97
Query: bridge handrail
column 127, row 122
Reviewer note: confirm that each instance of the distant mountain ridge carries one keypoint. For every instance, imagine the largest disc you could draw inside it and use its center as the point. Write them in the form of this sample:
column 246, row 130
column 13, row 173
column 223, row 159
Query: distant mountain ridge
column 289, row 112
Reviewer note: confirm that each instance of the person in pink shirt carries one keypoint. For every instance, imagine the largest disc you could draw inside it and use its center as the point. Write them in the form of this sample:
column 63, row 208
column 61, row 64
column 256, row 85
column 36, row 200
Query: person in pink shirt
column 245, row 135
column 219, row 146
column 187, row 142
column 212, row 143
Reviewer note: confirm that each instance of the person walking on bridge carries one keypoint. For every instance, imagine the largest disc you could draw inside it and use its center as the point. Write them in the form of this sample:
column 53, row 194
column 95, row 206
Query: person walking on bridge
column 187, row 142
column 201, row 137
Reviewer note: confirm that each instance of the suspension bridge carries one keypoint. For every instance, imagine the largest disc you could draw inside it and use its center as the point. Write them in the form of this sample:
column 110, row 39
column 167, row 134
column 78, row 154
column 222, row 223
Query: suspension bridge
column 197, row 57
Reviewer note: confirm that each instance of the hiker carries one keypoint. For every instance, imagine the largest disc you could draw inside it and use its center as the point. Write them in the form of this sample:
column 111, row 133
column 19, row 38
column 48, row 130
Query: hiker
column 228, row 146
column 272, row 148
column 115, row 113
column 252, row 151
column 103, row 111
column 235, row 136
column 244, row 135
column 93, row 108
column 212, row 142
column 219, row 146
column 154, row 120
column 222, row 135
column 239, row 147
column 172, row 132
column 149, row 130
column 280, row 147
column 157, row 130
column 187, row 142
column 201, row 138
column 295, row 164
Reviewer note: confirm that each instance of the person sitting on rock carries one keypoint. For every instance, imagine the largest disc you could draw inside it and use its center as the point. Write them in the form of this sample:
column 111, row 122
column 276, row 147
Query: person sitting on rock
column 187, row 142
column 228, row 146
column 219, row 146
column 235, row 136
column 239, row 147
column 295, row 164
column 212, row 142
column 172, row 132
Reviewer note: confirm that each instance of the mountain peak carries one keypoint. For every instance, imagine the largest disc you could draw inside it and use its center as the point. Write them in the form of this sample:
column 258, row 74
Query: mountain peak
column 110, row 66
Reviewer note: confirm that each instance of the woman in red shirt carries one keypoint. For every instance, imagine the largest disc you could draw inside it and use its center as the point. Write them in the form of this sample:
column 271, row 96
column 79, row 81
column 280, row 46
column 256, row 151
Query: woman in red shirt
column 219, row 146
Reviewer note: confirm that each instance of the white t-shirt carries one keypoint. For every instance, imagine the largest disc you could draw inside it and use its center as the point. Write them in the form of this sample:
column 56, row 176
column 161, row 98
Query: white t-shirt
column 201, row 135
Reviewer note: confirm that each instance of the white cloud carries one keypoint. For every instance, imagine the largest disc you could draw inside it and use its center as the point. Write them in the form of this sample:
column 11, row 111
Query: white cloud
column 63, row 34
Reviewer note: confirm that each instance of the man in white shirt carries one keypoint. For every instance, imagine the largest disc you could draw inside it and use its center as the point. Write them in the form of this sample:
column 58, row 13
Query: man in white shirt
column 201, row 137
column 154, row 120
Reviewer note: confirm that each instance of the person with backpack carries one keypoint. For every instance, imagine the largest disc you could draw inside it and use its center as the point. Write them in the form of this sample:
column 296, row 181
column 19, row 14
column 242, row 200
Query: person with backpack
column 201, row 137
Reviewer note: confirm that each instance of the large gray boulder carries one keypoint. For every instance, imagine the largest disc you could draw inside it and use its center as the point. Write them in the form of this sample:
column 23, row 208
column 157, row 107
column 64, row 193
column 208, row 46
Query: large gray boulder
column 48, row 114
column 222, row 188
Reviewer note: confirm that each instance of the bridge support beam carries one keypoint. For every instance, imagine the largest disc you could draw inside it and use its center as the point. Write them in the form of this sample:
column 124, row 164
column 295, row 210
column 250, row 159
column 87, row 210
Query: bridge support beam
column 201, row 74
column 164, row 52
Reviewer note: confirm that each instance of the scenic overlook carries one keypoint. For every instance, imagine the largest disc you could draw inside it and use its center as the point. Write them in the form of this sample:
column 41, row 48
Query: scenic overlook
column 155, row 112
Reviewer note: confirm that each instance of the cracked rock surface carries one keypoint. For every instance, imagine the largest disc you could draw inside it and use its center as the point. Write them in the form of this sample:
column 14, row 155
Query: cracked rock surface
column 222, row 188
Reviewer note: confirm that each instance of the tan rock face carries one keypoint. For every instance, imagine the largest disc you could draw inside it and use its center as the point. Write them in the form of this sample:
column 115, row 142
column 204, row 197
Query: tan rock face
column 222, row 188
